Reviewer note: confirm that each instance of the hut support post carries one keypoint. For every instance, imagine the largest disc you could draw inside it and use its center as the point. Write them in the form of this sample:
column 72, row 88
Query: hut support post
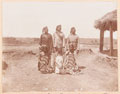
column 101, row 40
column 111, row 42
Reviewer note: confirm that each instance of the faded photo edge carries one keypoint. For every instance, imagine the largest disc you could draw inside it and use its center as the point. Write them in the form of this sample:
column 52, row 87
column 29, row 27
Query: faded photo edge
column 118, row 35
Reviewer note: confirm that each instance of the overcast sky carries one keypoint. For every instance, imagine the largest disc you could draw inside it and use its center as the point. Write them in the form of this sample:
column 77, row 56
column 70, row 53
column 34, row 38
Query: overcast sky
column 26, row 19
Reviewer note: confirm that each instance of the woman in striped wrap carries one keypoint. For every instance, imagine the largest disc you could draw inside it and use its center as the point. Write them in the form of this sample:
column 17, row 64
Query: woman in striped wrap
column 70, row 66
column 43, row 61
column 46, row 45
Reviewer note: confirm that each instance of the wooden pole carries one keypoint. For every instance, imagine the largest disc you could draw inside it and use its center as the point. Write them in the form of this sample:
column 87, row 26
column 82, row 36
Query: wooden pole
column 111, row 42
column 101, row 40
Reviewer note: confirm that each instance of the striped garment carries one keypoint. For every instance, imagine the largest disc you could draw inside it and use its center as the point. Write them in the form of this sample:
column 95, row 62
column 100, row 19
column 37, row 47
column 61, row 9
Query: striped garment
column 43, row 63
column 69, row 63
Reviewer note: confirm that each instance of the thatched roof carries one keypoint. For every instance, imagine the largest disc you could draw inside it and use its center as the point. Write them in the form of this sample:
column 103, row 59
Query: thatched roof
column 107, row 21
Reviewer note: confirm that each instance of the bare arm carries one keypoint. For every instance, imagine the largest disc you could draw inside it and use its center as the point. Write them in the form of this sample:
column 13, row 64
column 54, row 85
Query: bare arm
column 78, row 43
column 53, row 38
column 63, row 40
column 67, row 44
column 40, row 41
column 51, row 42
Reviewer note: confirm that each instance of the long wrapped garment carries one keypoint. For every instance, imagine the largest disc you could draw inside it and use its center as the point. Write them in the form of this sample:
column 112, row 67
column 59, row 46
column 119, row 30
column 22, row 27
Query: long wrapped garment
column 46, row 40
column 69, row 64
column 43, row 63
column 46, row 45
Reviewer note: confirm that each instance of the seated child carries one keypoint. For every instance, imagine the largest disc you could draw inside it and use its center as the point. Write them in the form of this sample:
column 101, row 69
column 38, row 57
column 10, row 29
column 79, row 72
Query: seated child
column 58, row 62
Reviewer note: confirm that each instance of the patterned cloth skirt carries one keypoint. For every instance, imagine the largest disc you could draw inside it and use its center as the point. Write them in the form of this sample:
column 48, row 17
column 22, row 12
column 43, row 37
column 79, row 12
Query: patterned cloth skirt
column 43, row 65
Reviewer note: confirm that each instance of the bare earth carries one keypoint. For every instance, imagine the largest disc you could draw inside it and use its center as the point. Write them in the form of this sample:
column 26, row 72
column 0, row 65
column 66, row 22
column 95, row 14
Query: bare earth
column 99, row 72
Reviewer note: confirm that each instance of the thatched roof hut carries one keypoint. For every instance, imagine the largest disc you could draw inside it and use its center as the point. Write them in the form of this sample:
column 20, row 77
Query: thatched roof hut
column 107, row 22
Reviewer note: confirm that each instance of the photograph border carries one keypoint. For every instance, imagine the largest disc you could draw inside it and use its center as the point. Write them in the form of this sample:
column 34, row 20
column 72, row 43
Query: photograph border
column 118, row 40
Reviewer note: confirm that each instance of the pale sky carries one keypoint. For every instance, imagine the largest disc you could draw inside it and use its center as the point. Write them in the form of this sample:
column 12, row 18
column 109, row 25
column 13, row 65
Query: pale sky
column 26, row 19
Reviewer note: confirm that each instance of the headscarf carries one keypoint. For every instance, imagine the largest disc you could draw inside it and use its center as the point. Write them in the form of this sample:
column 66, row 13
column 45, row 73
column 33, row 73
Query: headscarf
column 71, row 31
column 57, row 27
column 44, row 29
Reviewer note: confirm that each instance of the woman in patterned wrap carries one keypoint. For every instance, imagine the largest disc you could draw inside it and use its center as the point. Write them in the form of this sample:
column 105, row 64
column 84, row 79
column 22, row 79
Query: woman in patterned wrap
column 45, row 50
column 70, row 66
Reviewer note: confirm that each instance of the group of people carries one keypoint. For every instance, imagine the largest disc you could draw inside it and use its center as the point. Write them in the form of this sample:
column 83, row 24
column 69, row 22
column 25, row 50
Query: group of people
column 56, row 54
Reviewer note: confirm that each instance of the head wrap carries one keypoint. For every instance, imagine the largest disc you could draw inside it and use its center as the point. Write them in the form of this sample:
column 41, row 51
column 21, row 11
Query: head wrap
column 58, row 27
column 44, row 28
column 73, row 28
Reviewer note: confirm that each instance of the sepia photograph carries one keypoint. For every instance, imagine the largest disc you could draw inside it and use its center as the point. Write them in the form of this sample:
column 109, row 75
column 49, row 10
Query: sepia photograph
column 59, row 46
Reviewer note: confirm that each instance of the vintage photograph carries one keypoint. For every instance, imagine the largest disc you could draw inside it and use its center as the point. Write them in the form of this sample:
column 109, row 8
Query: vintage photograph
column 59, row 46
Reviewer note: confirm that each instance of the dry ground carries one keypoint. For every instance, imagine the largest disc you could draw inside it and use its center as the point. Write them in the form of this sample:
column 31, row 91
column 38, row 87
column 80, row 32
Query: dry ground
column 99, row 74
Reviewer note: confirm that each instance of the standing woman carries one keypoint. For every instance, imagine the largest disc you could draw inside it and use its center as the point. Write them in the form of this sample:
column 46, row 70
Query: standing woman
column 73, row 39
column 46, row 40
column 58, row 39
column 46, row 45
column 58, row 44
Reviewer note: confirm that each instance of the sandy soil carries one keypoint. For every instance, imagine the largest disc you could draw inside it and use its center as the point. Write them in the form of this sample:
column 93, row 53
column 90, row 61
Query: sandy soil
column 99, row 74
